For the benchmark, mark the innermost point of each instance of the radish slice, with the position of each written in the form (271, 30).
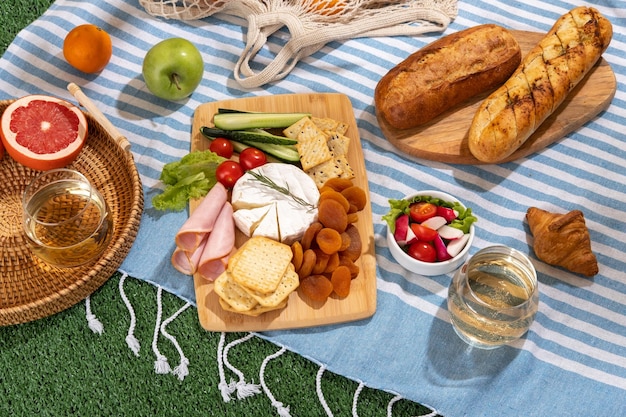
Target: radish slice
(402, 227)
(456, 246)
(442, 251)
(435, 222)
(449, 232)
(410, 236)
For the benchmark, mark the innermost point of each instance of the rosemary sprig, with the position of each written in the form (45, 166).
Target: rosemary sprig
(270, 183)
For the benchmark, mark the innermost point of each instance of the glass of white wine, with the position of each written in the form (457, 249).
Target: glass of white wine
(494, 297)
(66, 220)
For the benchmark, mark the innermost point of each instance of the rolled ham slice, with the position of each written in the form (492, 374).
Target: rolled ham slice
(187, 262)
(219, 245)
(202, 220)
(213, 268)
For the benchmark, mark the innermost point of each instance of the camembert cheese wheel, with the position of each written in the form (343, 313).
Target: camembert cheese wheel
(262, 210)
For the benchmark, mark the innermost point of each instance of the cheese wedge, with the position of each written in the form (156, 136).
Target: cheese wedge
(263, 211)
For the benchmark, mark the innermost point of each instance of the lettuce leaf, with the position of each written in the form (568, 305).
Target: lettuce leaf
(190, 177)
(396, 208)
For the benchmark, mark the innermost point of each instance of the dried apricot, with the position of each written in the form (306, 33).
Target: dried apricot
(328, 240)
(332, 214)
(321, 261)
(355, 195)
(345, 241)
(298, 254)
(354, 250)
(354, 268)
(331, 246)
(325, 188)
(316, 287)
(332, 264)
(338, 184)
(308, 263)
(341, 280)
(337, 196)
(309, 235)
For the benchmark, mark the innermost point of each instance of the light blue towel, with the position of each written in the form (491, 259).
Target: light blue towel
(572, 361)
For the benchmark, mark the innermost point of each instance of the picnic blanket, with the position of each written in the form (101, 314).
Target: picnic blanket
(573, 359)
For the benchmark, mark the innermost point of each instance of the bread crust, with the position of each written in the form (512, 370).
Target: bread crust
(445, 73)
(547, 74)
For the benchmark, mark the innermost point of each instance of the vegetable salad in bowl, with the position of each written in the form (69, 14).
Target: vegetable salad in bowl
(429, 233)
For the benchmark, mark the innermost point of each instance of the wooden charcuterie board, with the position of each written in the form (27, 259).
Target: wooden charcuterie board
(445, 139)
(361, 303)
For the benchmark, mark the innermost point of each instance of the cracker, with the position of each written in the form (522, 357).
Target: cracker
(260, 264)
(313, 151)
(325, 171)
(308, 130)
(341, 161)
(338, 144)
(293, 131)
(232, 293)
(322, 147)
(287, 285)
(254, 311)
(325, 123)
(341, 128)
(330, 125)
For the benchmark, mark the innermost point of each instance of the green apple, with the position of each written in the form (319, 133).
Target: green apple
(172, 69)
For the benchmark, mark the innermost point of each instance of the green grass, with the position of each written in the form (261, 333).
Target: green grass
(15, 15)
(58, 367)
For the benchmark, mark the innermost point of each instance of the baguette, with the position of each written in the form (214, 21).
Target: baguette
(547, 74)
(445, 73)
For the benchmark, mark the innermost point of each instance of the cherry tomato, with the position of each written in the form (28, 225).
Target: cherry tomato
(251, 158)
(424, 233)
(422, 211)
(228, 172)
(221, 147)
(422, 251)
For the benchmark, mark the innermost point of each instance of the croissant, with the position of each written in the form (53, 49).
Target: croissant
(562, 240)
(546, 75)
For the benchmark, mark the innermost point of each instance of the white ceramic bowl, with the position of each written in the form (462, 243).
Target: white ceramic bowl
(430, 268)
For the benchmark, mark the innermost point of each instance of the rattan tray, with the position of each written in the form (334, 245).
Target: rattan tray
(31, 289)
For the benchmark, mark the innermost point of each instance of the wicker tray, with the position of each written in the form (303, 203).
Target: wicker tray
(31, 289)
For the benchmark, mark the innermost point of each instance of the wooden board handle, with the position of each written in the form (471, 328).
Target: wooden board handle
(100, 117)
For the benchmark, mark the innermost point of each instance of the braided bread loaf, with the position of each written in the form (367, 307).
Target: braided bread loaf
(546, 75)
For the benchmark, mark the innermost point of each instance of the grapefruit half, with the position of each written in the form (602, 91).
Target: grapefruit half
(43, 132)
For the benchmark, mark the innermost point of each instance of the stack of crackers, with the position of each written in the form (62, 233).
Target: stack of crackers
(258, 279)
(323, 148)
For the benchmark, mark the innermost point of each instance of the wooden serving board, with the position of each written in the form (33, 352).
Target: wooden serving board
(361, 302)
(445, 138)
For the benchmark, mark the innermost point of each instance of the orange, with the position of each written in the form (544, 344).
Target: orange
(43, 132)
(87, 48)
(328, 7)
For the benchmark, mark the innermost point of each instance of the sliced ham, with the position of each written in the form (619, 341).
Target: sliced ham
(202, 220)
(219, 245)
(213, 268)
(187, 262)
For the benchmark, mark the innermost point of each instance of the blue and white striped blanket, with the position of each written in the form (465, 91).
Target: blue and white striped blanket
(572, 361)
